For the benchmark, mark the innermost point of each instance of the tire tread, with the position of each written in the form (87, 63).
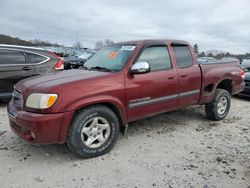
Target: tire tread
(74, 126)
(211, 109)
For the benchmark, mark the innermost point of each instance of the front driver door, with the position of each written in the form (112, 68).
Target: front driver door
(154, 92)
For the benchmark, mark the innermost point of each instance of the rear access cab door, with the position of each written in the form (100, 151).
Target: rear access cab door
(189, 74)
(14, 66)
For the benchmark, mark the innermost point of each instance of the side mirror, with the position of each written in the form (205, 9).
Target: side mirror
(140, 68)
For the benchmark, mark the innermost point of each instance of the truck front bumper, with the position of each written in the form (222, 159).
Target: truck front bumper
(33, 127)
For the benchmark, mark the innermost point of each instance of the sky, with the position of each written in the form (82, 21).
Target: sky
(212, 24)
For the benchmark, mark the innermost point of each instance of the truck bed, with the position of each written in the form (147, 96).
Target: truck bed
(214, 73)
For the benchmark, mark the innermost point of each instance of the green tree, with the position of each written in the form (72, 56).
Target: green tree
(202, 54)
(210, 55)
(196, 48)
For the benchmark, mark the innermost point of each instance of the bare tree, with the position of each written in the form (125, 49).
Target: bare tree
(196, 48)
(98, 45)
(108, 42)
(78, 45)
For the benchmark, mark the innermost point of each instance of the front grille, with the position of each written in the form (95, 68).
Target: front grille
(17, 98)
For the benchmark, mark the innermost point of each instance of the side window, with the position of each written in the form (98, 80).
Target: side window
(11, 57)
(157, 57)
(183, 56)
(34, 58)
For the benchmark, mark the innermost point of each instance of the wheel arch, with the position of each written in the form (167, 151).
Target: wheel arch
(225, 84)
(114, 104)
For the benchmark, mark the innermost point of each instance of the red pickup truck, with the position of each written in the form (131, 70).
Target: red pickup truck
(122, 83)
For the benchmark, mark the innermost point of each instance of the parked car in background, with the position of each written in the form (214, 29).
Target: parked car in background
(19, 62)
(124, 82)
(246, 64)
(246, 92)
(205, 60)
(229, 59)
(245, 59)
(77, 60)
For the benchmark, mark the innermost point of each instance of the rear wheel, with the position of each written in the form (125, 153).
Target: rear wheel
(93, 132)
(219, 107)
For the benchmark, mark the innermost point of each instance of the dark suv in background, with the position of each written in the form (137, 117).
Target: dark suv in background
(246, 66)
(19, 62)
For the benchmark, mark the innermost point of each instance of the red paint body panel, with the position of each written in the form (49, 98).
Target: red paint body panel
(81, 88)
(140, 86)
(215, 73)
(46, 127)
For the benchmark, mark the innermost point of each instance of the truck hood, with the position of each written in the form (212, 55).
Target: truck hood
(57, 79)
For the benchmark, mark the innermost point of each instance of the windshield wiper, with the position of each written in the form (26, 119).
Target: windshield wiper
(100, 69)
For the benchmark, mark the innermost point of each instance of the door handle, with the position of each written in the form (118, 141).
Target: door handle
(26, 68)
(171, 77)
(183, 75)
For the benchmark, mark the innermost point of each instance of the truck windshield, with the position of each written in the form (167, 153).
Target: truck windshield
(110, 58)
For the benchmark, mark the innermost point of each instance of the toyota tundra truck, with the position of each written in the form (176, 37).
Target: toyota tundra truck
(122, 83)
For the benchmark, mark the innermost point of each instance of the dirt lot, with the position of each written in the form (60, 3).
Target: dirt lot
(176, 149)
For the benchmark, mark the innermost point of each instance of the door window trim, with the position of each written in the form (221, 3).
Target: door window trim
(154, 45)
(26, 58)
(26, 63)
(47, 58)
(183, 45)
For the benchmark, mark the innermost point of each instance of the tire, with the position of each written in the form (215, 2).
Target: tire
(219, 107)
(93, 131)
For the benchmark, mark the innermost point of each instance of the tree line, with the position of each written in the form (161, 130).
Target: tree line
(219, 55)
(98, 45)
(5, 39)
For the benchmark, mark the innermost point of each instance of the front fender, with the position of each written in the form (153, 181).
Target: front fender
(77, 105)
(83, 103)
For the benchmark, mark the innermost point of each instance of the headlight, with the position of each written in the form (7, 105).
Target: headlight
(41, 101)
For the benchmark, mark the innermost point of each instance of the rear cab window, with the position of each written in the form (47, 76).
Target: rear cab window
(157, 56)
(11, 57)
(183, 56)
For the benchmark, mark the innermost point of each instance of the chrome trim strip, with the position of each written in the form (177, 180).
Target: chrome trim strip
(47, 58)
(161, 99)
(189, 93)
(6, 94)
(152, 101)
(13, 115)
(19, 46)
(8, 65)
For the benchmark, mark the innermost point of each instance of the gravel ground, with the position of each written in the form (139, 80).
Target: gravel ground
(176, 149)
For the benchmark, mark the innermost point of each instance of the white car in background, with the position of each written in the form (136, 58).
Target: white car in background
(230, 59)
(246, 64)
(205, 60)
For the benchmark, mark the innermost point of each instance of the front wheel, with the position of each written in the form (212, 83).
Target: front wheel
(93, 132)
(219, 107)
